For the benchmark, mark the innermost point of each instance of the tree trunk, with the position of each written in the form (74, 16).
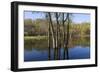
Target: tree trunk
(58, 42)
(52, 30)
(49, 42)
(63, 34)
(67, 39)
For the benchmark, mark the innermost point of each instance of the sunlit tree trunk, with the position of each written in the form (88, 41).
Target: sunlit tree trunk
(52, 30)
(58, 42)
(64, 19)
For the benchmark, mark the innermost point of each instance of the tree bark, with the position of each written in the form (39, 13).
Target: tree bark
(52, 30)
(58, 42)
(49, 42)
(67, 39)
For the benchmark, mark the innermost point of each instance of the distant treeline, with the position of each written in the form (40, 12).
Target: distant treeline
(40, 27)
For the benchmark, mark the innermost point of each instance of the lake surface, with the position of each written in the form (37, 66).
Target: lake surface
(37, 50)
(76, 52)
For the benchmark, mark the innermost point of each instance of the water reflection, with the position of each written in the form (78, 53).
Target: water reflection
(78, 48)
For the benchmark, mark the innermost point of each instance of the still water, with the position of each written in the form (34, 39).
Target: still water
(37, 50)
(76, 52)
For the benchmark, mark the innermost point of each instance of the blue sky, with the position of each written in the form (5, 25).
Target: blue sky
(77, 17)
(31, 15)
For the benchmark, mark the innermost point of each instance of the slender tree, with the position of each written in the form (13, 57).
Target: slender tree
(69, 20)
(67, 39)
(64, 19)
(52, 29)
(49, 41)
(58, 42)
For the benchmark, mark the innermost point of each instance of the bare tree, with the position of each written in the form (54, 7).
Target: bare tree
(67, 39)
(52, 29)
(58, 42)
(49, 41)
(63, 18)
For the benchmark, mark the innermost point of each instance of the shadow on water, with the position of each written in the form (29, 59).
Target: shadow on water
(38, 50)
